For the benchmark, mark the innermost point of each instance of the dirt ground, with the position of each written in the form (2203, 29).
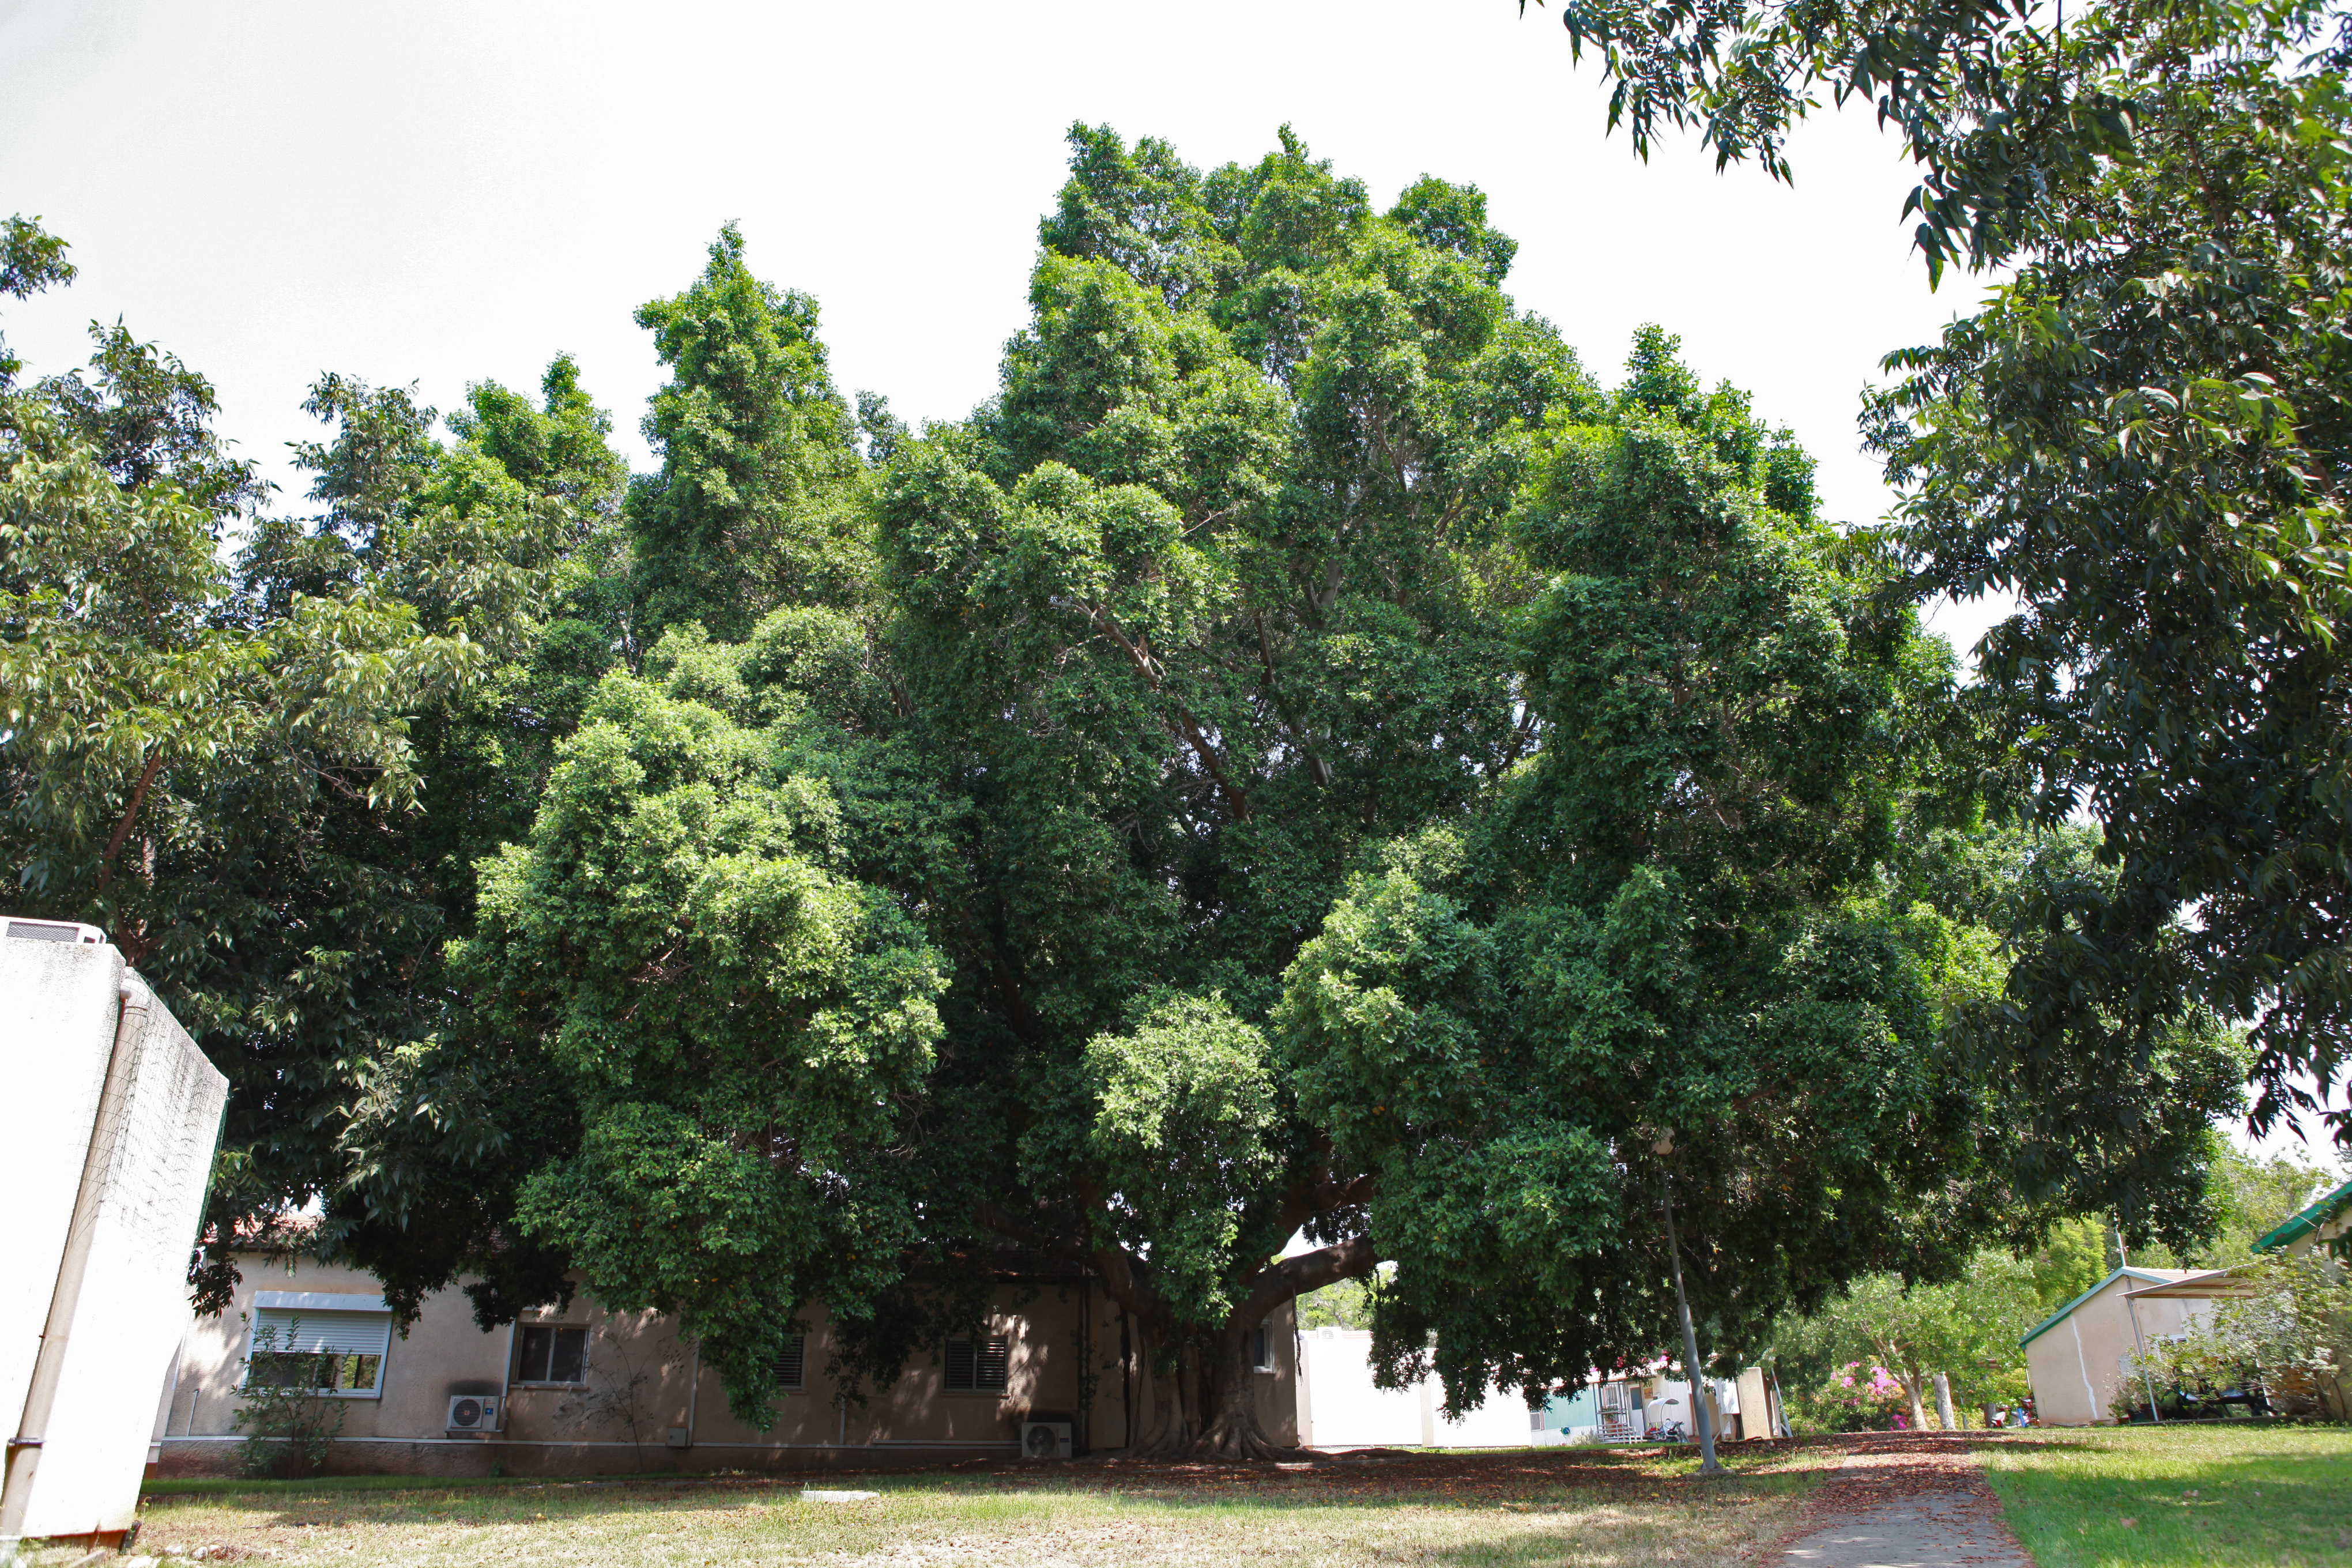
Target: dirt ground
(1619, 1509)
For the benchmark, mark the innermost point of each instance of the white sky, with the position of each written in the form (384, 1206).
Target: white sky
(440, 192)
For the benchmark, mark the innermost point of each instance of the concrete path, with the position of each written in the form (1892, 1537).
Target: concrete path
(1908, 1503)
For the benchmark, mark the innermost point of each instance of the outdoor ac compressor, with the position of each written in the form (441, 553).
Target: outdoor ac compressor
(473, 1413)
(1045, 1439)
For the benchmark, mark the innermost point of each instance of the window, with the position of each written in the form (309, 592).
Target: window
(792, 1362)
(1262, 1349)
(977, 1365)
(552, 1352)
(323, 1351)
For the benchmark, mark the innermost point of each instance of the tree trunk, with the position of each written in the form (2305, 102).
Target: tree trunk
(1229, 1402)
(1206, 1407)
(1693, 1368)
(1910, 1381)
(1158, 1426)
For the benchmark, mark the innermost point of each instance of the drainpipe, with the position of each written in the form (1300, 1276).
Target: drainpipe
(505, 1377)
(1084, 1445)
(25, 1448)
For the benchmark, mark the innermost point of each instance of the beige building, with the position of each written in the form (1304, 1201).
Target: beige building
(588, 1390)
(2326, 1227)
(2079, 1357)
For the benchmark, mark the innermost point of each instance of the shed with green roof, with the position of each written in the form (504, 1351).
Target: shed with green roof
(2078, 1357)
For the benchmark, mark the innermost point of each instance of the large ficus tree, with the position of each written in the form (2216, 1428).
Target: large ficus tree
(1302, 758)
(1214, 599)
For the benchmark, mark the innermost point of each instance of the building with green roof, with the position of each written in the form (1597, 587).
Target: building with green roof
(2323, 1225)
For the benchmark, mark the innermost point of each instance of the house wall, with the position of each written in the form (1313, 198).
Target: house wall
(2330, 1236)
(1724, 1404)
(2076, 1365)
(643, 1381)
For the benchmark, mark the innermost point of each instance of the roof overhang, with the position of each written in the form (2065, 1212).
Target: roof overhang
(2212, 1284)
(2294, 1227)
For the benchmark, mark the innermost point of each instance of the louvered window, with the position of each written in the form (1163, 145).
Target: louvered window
(792, 1362)
(977, 1365)
(321, 1351)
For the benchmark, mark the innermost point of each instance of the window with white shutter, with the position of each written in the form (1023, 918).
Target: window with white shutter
(323, 1350)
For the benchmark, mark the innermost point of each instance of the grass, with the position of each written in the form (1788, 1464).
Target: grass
(2221, 1494)
(1472, 1510)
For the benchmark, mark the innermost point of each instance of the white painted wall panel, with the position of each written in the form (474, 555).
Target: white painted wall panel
(1345, 1410)
(56, 1029)
(149, 1160)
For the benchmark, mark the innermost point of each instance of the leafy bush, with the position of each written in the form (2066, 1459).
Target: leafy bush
(287, 1423)
(2289, 1340)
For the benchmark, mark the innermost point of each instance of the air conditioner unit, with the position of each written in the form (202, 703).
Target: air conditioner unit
(22, 929)
(474, 1413)
(1045, 1439)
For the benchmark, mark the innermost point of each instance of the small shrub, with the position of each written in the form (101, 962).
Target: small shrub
(286, 1421)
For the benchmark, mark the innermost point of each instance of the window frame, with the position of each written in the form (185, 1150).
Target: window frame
(1262, 1353)
(800, 1352)
(552, 1330)
(1001, 1344)
(293, 1305)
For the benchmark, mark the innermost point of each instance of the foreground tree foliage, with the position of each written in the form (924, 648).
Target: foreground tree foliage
(265, 764)
(1305, 757)
(2140, 437)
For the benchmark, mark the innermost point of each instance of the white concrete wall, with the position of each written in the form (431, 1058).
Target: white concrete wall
(57, 1030)
(1340, 1408)
(122, 1274)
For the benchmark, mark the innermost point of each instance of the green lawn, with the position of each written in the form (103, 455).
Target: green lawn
(2223, 1494)
(1545, 1508)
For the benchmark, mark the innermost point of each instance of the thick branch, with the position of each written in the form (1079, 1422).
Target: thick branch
(1305, 1200)
(131, 815)
(1349, 1260)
